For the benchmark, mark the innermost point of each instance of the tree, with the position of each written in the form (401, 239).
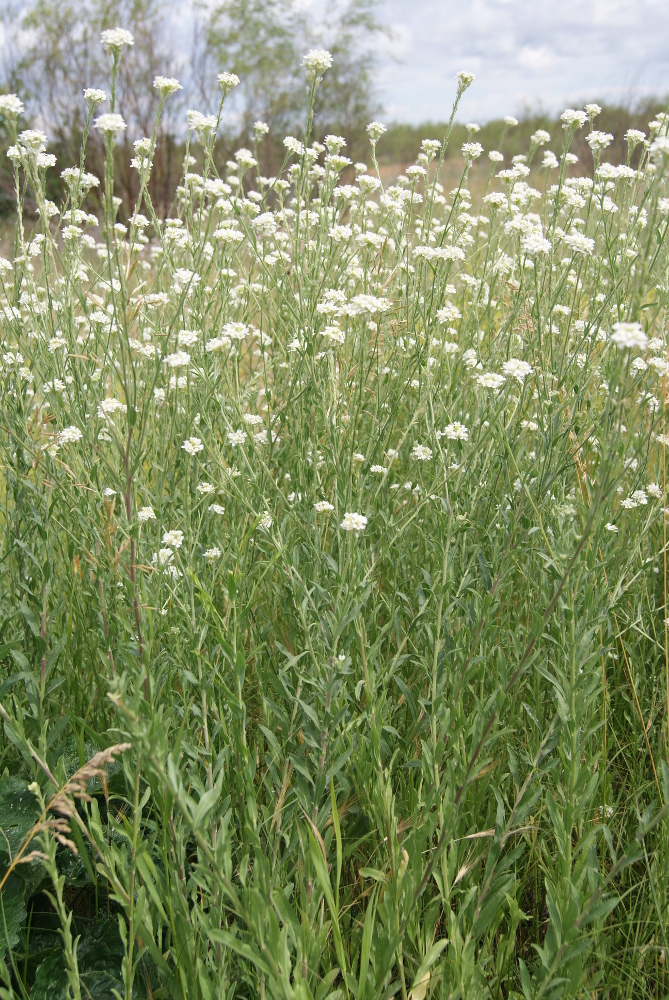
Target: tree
(264, 41)
(61, 54)
(346, 101)
(55, 52)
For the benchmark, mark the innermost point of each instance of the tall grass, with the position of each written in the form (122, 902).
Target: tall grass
(333, 608)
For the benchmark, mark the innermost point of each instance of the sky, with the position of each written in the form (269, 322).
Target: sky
(525, 53)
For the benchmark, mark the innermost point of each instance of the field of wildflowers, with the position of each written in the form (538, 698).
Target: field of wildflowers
(333, 623)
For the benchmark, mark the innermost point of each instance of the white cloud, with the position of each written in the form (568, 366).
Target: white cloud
(536, 58)
(523, 52)
(398, 44)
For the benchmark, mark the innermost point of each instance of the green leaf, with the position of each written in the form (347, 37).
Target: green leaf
(318, 862)
(19, 811)
(12, 914)
(50, 979)
(337, 830)
(366, 945)
(243, 948)
(430, 958)
(525, 982)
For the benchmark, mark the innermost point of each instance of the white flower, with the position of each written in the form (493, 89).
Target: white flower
(471, 150)
(421, 453)
(369, 304)
(353, 522)
(213, 553)
(216, 508)
(10, 106)
(107, 407)
(162, 558)
(465, 79)
(236, 437)
(540, 137)
(334, 334)
(375, 130)
(187, 338)
(68, 435)
(580, 243)
(598, 140)
(571, 118)
(227, 81)
(534, 244)
(192, 445)
(634, 136)
(145, 514)
(112, 124)
(448, 313)
(114, 39)
(340, 233)
(629, 335)
(173, 538)
(204, 488)
(316, 62)
(293, 145)
(456, 432)
(516, 369)
(321, 506)
(177, 360)
(660, 146)
(491, 380)
(611, 527)
(228, 234)
(166, 85)
(33, 140)
(204, 125)
(93, 96)
(379, 469)
(266, 521)
(448, 252)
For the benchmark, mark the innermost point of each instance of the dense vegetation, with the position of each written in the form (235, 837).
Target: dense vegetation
(333, 626)
(403, 141)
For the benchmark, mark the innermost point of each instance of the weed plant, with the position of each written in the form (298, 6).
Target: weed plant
(333, 622)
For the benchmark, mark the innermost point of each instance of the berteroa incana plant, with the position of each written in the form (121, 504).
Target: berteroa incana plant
(333, 617)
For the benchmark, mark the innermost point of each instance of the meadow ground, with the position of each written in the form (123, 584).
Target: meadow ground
(333, 623)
